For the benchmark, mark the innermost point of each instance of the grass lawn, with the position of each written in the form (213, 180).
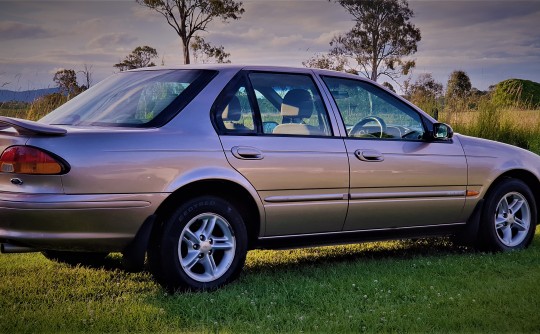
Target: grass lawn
(405, 286)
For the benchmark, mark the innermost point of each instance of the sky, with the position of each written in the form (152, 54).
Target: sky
(490, 40)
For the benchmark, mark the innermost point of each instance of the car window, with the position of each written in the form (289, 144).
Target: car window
(233, 112)
(370, 112)
(289, 104)
(133, 99)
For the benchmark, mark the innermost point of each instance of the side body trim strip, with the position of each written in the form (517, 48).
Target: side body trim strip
(306, 198)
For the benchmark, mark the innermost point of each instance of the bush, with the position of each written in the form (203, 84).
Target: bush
(523, 94)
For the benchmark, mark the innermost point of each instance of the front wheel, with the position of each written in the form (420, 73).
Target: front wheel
(202, 246)
(509, 217)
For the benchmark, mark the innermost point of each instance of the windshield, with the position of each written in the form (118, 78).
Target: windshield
(132, 99)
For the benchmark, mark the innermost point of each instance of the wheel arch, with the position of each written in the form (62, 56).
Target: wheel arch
(523, 175)
(242, 199)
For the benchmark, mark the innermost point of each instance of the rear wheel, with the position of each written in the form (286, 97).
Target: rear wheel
(76, 258)
(202, 246)
(509, 217)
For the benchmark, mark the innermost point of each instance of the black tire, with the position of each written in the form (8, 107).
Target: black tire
(208, 263)
(503, 229)
(76, 258)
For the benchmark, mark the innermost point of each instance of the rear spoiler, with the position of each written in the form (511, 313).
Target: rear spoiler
(30, 128)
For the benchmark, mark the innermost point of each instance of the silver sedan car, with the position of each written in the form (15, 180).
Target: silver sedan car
(188, 168)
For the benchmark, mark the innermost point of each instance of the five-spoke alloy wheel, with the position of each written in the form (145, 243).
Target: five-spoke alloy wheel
(509, 217)
(207, 247)
(512, 219)
(202, 246)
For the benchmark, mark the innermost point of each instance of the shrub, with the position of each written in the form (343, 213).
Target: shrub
(523, 94)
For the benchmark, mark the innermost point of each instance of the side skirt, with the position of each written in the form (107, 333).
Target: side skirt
(348, 237)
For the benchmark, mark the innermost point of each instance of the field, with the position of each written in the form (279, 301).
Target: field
(402, 286)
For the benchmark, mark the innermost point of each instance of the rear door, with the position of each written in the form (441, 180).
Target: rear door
(276, 131)
(398, 179)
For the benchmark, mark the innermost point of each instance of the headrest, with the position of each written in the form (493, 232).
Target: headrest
(297, 103)
(233, 111)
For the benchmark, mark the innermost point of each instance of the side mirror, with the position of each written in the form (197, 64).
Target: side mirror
(442, 131)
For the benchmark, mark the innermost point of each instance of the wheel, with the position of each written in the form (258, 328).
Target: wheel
(76, 258)
(358, 129)
(202, 246)
(508, 220)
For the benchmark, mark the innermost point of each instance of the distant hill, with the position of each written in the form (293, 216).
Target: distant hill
(25, 96)
(517, 92)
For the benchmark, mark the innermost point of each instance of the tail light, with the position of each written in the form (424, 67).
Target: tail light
(30, 160)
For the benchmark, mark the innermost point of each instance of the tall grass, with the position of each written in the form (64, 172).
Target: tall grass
(511, 125)
(35, 110)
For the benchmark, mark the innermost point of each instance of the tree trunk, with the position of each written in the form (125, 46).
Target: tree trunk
(185, 45)
(374, 69)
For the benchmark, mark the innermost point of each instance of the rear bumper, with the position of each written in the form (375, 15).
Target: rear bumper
(97, 222)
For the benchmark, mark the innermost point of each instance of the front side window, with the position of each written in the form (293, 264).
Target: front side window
(370, 112)
(132, 99)
(289, 104)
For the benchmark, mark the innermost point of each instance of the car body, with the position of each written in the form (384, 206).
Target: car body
(195, 165)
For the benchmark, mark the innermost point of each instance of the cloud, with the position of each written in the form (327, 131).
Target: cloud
(18, 30)
(91, 25)
(111, 40)
(146, 14)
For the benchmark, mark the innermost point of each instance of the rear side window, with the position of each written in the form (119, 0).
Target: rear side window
(289, 104)
(132, 99)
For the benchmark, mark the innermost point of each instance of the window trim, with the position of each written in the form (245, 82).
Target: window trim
(413, 110)
(258, 111)
(228, 91)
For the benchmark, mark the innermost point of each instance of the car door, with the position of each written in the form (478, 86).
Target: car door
(276, 131)
(397, 179)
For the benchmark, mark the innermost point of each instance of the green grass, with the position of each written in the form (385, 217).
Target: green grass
(420, 286)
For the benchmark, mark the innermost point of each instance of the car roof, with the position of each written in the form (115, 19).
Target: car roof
(239, 67)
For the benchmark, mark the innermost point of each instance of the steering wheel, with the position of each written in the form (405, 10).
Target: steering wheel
(358, 127)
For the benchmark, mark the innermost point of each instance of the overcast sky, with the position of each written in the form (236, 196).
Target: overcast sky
(490, 40)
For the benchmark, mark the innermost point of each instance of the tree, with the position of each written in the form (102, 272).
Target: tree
(328, 62)
(140, 57)
(459, 85)
(425, 92)
(66, 80)
(204, 51)
(382, 36)
(389, 86)
(425, 87)
(187, 17)
(87, 74)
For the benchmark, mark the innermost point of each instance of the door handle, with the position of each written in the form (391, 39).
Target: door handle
(247, 153)
(369, 155)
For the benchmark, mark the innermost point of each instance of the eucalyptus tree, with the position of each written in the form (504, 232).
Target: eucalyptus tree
(380, 41)
(190, 17)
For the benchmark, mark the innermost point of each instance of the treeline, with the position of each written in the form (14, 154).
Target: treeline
(460, 95)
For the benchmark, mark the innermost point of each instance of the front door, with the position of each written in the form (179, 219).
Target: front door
(398, 179)
(275, 131)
